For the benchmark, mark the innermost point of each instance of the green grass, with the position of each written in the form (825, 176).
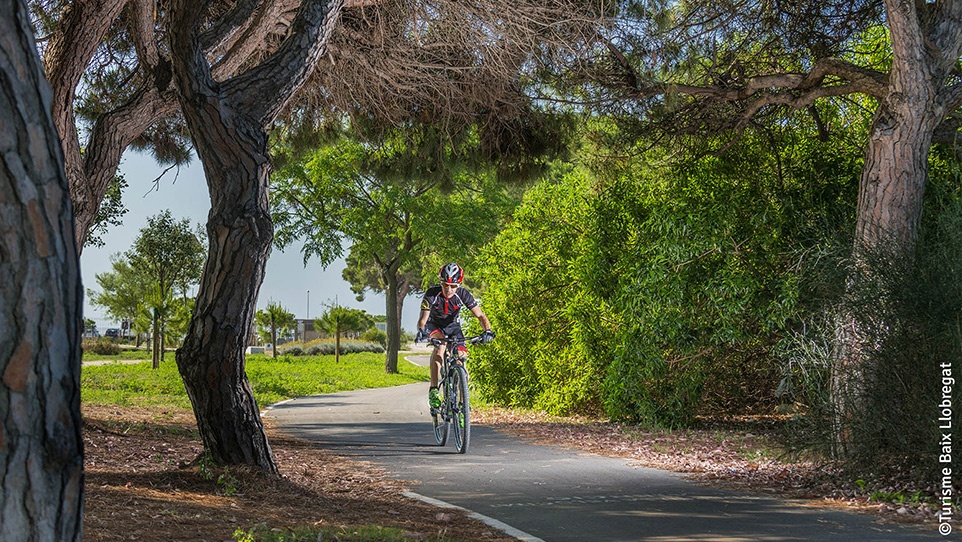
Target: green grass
(125, 354)
(272, 380)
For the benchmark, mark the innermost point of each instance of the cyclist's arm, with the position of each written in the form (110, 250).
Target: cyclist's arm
(479, 314)
(423, 320)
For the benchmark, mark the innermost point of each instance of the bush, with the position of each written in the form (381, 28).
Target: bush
(291, 351)
(375, 335)
(101, 346)
(325, 347)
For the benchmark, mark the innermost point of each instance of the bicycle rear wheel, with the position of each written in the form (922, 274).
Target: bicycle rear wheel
(461, 409)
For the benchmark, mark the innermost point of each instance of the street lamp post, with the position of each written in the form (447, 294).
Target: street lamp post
(308, 304)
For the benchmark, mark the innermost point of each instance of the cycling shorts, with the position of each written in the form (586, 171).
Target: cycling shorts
(451, 330)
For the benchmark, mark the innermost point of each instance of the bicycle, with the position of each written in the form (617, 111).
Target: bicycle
(454, 414)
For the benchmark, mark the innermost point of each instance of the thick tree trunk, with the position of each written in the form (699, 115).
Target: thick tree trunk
(893, 180)
(211, 360)
(41, 450)
(889, 212)
(888, 215)
(393, 317)
(233, 149)
(228, 122)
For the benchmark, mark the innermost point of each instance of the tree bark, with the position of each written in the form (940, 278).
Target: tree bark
(41, 450)
(228, 123)
(892, 186)
(232, 147)
(393, 321)
(211, 360)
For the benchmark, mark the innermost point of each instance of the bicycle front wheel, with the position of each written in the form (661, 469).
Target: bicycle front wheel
(440, 426)
(461, 410)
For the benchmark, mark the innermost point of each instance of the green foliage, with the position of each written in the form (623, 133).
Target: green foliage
(122, 290)
(374, 335)
(154, 275)
(110, 213)
(906, 311)
(295, 350)
(327, 347)
(272, 321)
(169, 253)
(543, 357)
(272, 380)
(118, 354)
(659, 293)
(338, 320)
(402, 201)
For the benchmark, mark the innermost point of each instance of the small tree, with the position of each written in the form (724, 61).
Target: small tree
(338, 320)
(89, 326)
(271, 320)
(122, 290)
(403, 202)
(164, 262)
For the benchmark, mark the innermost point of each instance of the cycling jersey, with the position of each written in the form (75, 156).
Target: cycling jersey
(444, 310)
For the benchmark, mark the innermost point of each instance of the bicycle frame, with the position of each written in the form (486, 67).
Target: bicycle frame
(454, 414)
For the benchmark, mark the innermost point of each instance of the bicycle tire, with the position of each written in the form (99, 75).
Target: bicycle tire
(461, 409)
(440, 423)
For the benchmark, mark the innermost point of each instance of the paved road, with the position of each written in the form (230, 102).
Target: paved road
(556, 494)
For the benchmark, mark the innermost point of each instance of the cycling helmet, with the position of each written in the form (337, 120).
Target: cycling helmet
(451, 273)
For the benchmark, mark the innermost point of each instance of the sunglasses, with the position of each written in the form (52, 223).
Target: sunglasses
(449, 285)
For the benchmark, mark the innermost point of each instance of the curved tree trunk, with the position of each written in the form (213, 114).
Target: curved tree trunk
(41, 450)
(239, 228)
(232, 147)
(228, 123)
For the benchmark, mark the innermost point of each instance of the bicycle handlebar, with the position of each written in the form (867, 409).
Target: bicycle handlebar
(477, 339)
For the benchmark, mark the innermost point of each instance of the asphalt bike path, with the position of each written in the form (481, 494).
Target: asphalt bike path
(555, 494)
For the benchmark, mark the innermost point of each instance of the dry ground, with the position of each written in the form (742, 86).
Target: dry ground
(144, 481)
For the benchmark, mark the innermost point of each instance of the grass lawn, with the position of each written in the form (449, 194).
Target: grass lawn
(127, 384)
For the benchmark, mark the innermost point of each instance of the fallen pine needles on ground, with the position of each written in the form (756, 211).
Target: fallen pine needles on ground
(146, 480)
(743, 455)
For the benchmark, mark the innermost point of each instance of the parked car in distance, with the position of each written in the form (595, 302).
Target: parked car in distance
(112, 332)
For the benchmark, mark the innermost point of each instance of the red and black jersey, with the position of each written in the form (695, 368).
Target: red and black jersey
(445, 310)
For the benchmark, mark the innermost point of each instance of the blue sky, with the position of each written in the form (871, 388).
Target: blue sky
(287, 281)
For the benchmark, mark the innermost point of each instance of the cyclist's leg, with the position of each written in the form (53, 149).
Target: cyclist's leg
(434, 395)
(437, 354)
(435, 365)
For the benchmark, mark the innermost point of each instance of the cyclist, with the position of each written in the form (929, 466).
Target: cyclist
(440, 308)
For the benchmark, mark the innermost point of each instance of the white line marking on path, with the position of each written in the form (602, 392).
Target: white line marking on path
(500, 525)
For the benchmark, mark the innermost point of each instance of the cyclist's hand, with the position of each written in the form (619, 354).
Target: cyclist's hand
(421, 336)
(487, 336)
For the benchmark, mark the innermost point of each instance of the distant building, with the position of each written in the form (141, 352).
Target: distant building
(305, 332)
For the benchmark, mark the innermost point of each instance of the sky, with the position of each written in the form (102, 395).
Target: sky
(304, 292)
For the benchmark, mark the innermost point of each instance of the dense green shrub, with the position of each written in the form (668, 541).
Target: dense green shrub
(659, 293)
(375, 335)
(325, 347)
(294, 350)
(546, 321)
(907, 313)
(102, 346)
